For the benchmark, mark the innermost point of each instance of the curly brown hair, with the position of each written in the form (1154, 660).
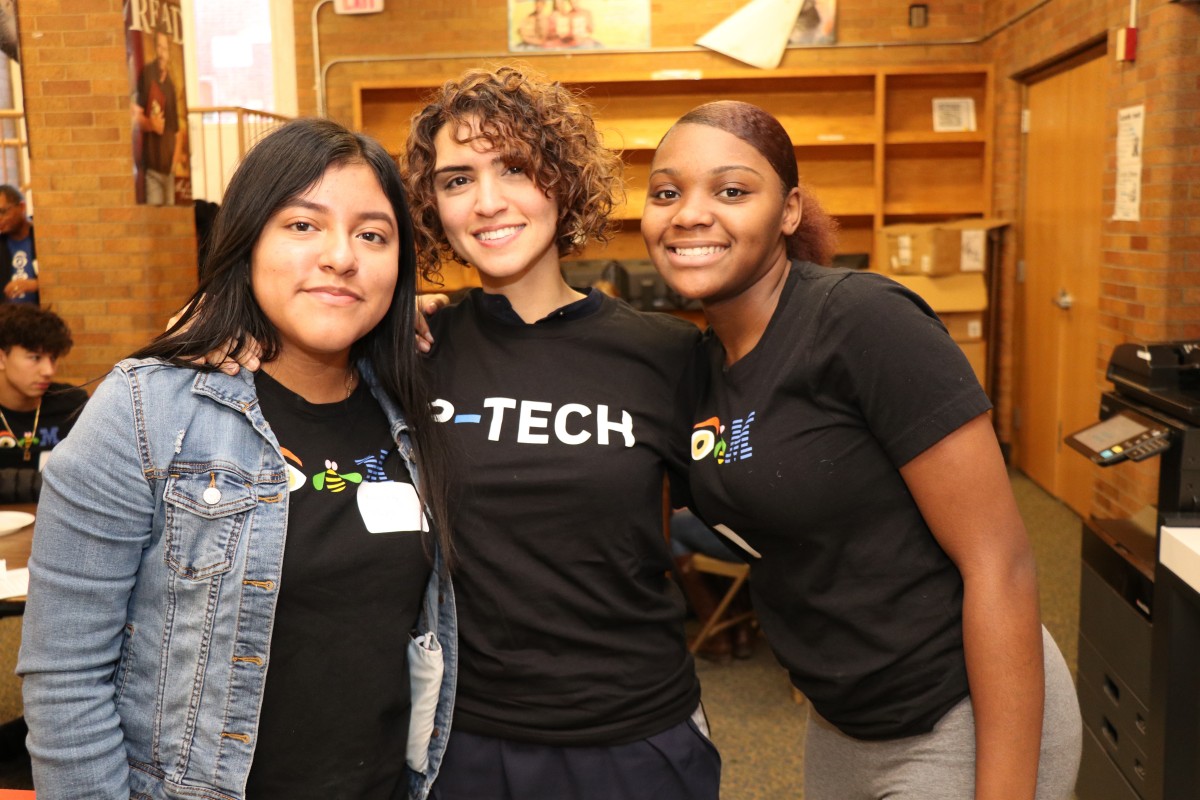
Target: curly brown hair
(533, 123)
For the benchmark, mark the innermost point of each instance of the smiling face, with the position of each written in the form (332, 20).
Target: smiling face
(716, 216)
(493, 214)
(325, 265)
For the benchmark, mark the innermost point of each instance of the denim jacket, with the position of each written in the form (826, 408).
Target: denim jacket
(147, 631)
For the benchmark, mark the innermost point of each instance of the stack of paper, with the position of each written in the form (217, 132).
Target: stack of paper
(13, 582)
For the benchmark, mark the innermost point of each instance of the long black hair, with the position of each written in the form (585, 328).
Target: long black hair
(281, 167)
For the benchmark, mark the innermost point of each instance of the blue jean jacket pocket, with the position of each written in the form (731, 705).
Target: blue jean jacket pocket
(206, 512)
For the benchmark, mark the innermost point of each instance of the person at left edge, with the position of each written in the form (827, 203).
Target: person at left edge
(18, 254)
(35, 413)
(225, 568)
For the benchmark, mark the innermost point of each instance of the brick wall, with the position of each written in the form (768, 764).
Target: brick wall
(439, 41)
(114, 270)
(1150, 269)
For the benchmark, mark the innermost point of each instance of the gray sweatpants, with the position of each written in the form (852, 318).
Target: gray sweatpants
(940, 765)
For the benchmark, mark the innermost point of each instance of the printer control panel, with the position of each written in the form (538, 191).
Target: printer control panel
(1124, 435)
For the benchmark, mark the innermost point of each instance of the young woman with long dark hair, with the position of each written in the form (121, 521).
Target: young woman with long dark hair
(227, 569)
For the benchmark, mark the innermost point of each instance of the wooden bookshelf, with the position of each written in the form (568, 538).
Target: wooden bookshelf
(865, 139)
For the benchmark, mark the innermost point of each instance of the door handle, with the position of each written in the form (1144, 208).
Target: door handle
(1064, 299)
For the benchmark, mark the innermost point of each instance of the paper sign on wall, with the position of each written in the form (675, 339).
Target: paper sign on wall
(1130, 128)
(953, 114)
(972, 252)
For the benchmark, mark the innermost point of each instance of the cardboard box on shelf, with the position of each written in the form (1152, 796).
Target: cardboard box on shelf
(964, 326)
(937, 248)
(961, 302)
(952, 293)
(976, 353)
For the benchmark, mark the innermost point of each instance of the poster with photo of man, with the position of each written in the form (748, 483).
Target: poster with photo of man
(578, 24)
(158, 103)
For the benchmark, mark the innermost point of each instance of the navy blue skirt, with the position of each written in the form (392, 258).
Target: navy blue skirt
(678, 764)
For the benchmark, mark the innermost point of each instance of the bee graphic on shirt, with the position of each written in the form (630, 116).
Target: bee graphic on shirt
(333, 480)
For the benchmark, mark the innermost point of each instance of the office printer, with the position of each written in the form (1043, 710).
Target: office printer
(1139, 642)
(1164, 376)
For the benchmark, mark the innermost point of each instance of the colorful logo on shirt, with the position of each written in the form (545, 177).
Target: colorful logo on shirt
(9, 440)
(386, 506)
(45, 438)
(570, 423)
(708, 439)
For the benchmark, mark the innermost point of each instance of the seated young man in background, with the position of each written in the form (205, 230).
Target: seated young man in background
(35, 413)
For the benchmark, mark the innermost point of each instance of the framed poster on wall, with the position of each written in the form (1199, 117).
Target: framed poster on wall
(158, 101)
(10, 42)
(816, 24)
(578, 25)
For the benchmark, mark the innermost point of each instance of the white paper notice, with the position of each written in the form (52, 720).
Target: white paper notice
(13, 582)
(953, 114)
(972, 255)
(1130, 125)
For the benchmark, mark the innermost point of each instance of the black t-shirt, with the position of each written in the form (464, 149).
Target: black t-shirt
(570, 630)
(336, 706)
(60, 406)
(796, 448)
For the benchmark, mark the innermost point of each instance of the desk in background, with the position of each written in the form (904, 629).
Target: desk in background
(14, 549)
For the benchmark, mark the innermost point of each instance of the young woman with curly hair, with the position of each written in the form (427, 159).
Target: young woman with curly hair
(574, 679)
(844, 439)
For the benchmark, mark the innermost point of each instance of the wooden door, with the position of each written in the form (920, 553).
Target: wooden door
(1059, 369)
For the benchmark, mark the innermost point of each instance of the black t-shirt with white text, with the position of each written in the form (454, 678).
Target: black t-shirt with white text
(796, 448)
(570, 629)
(336, 706)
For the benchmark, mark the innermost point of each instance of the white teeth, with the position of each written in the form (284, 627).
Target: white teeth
(698, 251)
(499, 233)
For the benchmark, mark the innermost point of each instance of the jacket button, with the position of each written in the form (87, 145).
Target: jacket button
(212, 495)
(435, 734)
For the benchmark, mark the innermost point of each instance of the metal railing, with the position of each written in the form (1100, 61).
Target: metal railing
(14, 149)
(218, 136)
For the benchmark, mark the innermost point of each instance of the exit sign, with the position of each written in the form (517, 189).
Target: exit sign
(357, 6)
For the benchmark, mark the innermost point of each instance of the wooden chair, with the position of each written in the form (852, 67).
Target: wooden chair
(718, 620)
